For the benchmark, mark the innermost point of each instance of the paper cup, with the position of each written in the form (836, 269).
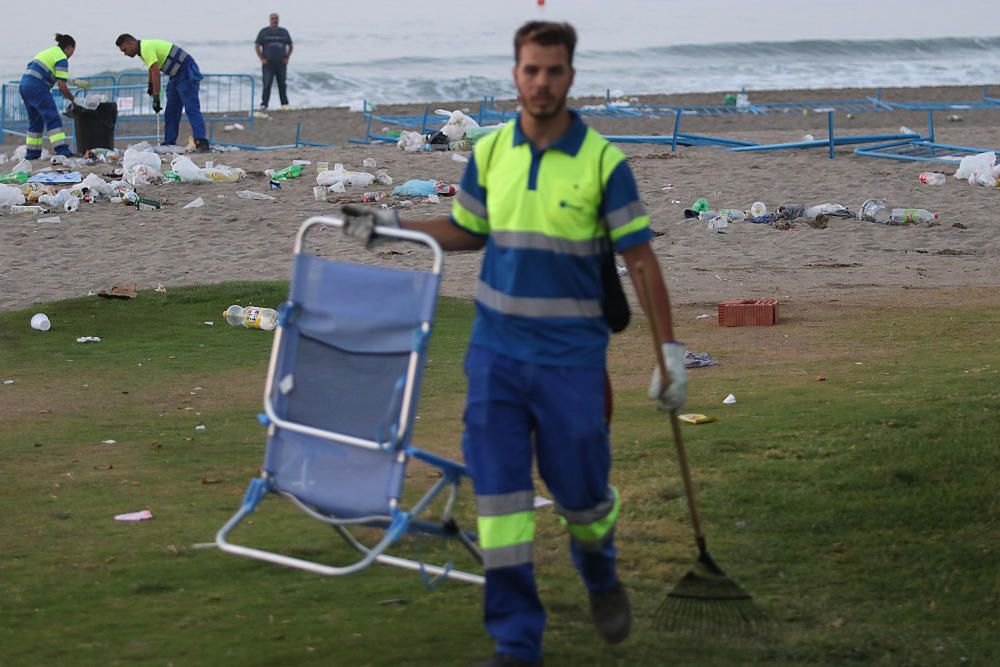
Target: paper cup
(40, 322)
(319, 193)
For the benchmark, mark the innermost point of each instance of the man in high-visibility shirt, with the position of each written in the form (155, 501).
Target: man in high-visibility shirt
(163, 57)
(549, 198)
(48, 68)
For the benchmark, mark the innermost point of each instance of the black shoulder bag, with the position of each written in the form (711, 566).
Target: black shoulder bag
(614, 305)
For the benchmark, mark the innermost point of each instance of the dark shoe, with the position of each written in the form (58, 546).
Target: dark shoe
(202, 146)
(612, 614)
(505, 660)
(64, 151)
(33, 155)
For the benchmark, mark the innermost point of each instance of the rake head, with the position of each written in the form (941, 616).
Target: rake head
(706, 600)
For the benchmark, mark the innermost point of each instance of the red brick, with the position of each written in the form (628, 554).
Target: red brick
(748, 312)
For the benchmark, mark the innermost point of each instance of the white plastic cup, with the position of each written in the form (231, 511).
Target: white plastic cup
(319, 192)
(209, 164)
(40, 322)
(322, 166)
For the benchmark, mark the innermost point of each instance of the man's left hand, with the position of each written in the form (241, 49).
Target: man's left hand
(156, 104)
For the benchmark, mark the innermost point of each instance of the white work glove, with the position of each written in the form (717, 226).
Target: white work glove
(671, 396)
(360, 221)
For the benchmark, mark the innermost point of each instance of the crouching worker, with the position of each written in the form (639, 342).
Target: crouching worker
(166, 58)
(48, 68)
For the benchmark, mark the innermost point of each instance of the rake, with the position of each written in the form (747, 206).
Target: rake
(705, 599)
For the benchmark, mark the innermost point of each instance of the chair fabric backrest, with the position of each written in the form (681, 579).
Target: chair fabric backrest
(342, 367)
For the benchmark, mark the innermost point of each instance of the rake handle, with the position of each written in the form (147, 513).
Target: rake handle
(675, 424)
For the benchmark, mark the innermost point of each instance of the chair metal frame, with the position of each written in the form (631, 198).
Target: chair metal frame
(398, 522)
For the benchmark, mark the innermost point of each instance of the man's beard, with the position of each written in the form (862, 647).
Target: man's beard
(543, 115)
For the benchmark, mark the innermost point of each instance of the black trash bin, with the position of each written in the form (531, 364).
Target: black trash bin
(95, 128)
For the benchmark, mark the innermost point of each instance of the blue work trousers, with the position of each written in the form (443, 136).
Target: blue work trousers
(182, 96)
(41, 106)
(517, 412)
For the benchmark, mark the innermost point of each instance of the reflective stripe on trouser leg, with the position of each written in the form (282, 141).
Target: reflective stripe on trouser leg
(34, 139)
(592, 528)
(506, 525)
(498, 451)
(57, 138)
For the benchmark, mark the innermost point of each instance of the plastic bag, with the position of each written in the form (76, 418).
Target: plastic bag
(416, 188)
(331, 177)
(411, 142)
(141, 167)
(458, 123)
(10, 196)
(97, 185)
(188, 171)
(972, 166)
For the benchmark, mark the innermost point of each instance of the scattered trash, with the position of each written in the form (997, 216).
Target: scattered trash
(251, 317)
(53, 219)
(200, 427)
(122, 291)
(458, 124)
(873, 210)
(160, 287)
(910, 216)
(322, 166)
(905, 130)
(250, 194)
(209, 323)
(382, 176)
(40, 322)
(458, 157)
(700, 206)
(10, 196)
(292, 171)
(109, 442)
(932, 178)
(698, 359)
(273, 185)
(416, 188)
(954, 118)
(88, 339)
(757, 209)
(372, 197)
(729, 400)
(696, 418)
(808, 137)
(33, 210)
(338, 187)
(188, 171)
(978, 169)
(301, 163)
(369, 163)
(703, 316)
(233, 126)
(144, 515)
(668, 187)
(196, 203)
(319, 193)
(8, 381)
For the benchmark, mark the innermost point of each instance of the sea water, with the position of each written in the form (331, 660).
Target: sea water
(403, 51)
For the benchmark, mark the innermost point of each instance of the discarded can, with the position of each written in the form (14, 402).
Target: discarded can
(372, 197)
(274, 185)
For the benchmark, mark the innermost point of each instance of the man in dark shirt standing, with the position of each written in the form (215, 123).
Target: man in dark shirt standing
(274, 48)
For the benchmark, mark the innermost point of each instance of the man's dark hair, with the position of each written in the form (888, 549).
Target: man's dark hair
(124, 37)
(65, 41)
(545, 33)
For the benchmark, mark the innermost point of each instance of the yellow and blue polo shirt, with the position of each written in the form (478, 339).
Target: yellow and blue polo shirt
(546, 216)
(49, 65)
(166, 55)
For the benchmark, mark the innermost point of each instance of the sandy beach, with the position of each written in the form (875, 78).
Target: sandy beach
(849, 261)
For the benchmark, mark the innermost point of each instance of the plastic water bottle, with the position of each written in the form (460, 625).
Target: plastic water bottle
(72, 203)
(932, 178)
(251, 317)
(729, 214)
(910, 216)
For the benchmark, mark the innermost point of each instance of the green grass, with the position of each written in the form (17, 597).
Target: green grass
(862, 512)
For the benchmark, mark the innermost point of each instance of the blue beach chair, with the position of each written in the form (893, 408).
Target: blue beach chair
(340, 401)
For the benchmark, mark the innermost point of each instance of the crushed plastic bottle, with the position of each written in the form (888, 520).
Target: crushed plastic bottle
(250, 194)
(910, 216)
(251, 317)
(932, 178)
(14, 177)
(292, 171)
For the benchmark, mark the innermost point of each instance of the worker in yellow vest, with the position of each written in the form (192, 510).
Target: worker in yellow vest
(48, 68)
(163, 57)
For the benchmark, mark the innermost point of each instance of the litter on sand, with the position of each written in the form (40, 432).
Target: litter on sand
(698, 359)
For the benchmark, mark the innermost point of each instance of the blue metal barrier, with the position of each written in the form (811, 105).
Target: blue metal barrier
(225, 98)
